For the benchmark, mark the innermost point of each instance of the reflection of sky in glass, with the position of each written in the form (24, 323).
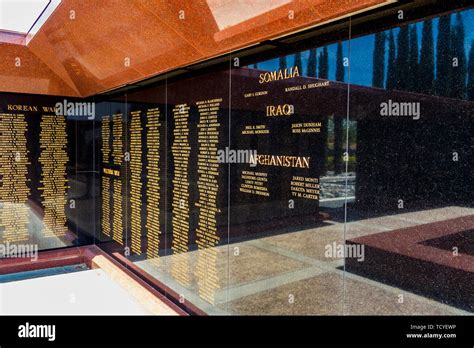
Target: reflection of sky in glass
(362, 49)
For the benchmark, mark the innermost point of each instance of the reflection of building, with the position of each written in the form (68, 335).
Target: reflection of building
(337, 160)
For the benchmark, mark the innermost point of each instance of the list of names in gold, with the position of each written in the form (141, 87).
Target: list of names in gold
(136, 180)
(305, 187)
(153, 185)
(208, 186)
(117, 158)
(180, 150)
(255, 129)
(306, 127)
(54, 183)
(255, 183)
(14, 190)
(106, 212)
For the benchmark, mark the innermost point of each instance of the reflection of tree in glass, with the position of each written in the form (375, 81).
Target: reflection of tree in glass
(402, 62)
(443, 57)
(470, 74)
(312, 63)
(458, 80)
(413, 60)
(426, 69)
(298, 63)
(339, 63)
(412, 68)
(378, 66)
(391, 73)
(282, 63)
(323, 63)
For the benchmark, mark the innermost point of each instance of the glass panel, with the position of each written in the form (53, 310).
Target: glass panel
(146, 183)
(287, 206)
(173, 189)
(197, 262)
(46, 170)
(113, 170)
(410, 225)
(83, 205)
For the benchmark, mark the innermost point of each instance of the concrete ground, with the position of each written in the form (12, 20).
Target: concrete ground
(90, 292)
(289, 273)
(76, 290)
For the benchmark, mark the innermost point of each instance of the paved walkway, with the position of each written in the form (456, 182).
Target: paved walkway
(290, 274)
(90, 292)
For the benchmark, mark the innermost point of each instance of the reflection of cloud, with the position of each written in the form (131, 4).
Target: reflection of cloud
(228, 13)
